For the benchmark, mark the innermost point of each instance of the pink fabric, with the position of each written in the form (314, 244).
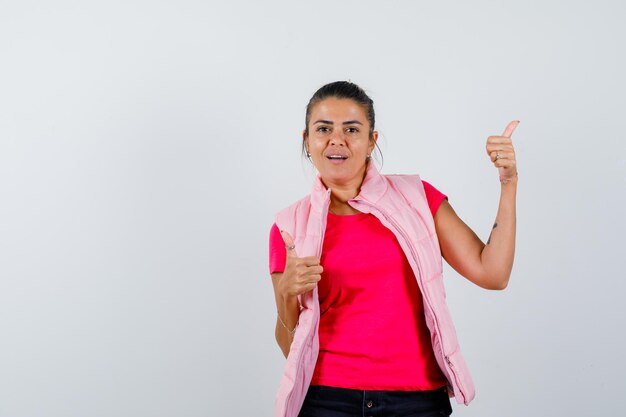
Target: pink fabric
(277, 246)
(399, 202)
(382, 348)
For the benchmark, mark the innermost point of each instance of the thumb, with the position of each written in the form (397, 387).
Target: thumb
(510, 128)
(289, 245)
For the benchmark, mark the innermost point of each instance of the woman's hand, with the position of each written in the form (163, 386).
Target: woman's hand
(300, 274)
(501, 152)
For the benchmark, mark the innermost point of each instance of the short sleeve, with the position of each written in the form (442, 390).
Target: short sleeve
(278, 253)
(434, 197)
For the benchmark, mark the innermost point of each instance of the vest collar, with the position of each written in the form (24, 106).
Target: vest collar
(373, 187)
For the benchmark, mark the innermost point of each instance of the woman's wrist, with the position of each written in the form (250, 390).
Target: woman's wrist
(291, 331)
(290, 313)
(508, 180)
(290, 300)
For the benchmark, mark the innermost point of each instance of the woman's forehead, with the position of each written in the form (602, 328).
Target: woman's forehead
(335, 109)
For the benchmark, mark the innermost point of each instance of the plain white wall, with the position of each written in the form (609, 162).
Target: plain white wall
(145, 147)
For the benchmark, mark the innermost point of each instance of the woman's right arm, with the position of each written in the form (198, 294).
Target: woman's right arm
(288, 310)
(300, 275)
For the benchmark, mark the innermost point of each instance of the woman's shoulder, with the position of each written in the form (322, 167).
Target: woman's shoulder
(411, 178)
(429, 188)
(433, 196)
(289, 217)
(301, 202)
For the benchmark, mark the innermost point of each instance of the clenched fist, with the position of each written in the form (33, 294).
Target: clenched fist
(301, 274)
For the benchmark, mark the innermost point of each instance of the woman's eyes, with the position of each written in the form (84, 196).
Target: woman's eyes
(326, 129)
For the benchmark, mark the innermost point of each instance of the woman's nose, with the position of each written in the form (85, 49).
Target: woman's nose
(337, 139)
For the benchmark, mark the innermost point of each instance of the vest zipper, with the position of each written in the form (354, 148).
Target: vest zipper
(319, 254)
(323, 223)
(425, 297)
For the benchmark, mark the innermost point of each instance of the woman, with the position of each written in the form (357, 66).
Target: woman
(357, 274)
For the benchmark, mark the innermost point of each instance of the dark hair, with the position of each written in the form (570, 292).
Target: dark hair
(341, 90)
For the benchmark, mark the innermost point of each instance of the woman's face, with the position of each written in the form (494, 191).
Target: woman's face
(339, 141)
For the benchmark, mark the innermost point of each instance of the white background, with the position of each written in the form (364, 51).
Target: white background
(145, 147)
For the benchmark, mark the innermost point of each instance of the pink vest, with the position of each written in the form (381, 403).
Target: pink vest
(399, 202)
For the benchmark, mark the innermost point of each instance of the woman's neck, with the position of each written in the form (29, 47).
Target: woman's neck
(343, 192)
(339, 197)
(341, 207)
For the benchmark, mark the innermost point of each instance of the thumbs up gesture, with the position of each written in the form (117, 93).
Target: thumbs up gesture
(501, 152)
(301, 274)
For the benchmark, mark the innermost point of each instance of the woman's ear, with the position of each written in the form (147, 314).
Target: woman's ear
(373, 140)
(304, 139)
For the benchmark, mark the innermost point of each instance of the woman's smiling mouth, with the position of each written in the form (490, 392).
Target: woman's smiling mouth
(336, 159)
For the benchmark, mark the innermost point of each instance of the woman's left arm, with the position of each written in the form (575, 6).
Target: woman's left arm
(486, 265)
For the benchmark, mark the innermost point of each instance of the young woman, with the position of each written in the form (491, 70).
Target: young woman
(357, 274)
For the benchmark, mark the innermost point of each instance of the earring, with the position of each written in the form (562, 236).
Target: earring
(308, 155)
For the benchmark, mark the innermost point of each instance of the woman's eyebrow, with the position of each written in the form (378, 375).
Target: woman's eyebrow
(349, 122)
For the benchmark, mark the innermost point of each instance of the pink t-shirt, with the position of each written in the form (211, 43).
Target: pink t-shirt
(372, 331)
